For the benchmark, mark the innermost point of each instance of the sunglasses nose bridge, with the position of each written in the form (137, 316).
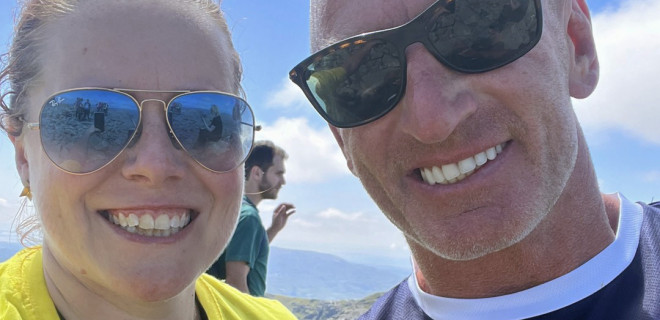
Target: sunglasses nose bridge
(153, 100)
(151, 154)
(162, 102)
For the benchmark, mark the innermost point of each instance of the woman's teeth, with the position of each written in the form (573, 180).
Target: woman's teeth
(149, 222)
(454, 172)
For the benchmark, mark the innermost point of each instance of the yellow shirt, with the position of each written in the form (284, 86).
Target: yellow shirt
(23, 294)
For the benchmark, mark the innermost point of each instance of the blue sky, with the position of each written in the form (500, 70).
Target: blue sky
(334, 213)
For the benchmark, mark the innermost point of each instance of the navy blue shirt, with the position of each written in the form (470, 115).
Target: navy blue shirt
(633, 295)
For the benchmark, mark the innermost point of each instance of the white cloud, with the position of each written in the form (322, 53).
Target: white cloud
(287, 96)
(267, 206)
(332, 230)
(301, 223)
(8, 210)
(628, 44)
(652, 176)
(313, 153)
(332, 213)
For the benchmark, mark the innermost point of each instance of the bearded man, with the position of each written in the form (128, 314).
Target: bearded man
(244, 262)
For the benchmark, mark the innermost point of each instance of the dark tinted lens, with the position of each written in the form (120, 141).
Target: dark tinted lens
(83, 130)
(357, 83)
(216, 129)
(481, 35)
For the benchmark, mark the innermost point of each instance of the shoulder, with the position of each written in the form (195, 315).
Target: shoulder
(221, 301)
(398, 303)
(249, 221)
(16, 269)
(652, 207)
(649, 246)
(248, 208)
(249, 215)
(651, 222)
(23, 292)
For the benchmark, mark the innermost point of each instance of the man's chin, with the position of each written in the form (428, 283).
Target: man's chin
(270, 195)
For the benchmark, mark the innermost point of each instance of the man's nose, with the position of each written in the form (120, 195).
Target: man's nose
(155, 157)
(436, 100)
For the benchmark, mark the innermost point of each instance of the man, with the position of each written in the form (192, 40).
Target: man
(474, 152)
(244, 262)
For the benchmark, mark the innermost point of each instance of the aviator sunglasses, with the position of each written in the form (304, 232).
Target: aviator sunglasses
(83, 130)
(362, 78)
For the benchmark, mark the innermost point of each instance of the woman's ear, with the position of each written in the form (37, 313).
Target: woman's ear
(584, 71)
(22, 164)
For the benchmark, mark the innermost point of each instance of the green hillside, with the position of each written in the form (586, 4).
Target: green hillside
(313, 309)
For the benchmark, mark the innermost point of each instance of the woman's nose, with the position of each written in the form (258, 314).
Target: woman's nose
(154, 156)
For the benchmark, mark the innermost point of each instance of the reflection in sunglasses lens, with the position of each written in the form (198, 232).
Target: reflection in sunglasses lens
(215, 129)
(355, 83)
(83, 130)
(474, 35)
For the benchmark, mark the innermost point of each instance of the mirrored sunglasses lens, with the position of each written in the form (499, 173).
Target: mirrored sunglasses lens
(357, 83)
(216, 129)
(83, 130)
(480, 35)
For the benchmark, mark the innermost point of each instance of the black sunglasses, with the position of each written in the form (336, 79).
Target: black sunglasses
(362, 78)
(82, 130)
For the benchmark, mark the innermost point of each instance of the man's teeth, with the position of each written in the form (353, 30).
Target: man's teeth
(454, 172)
(151, 224)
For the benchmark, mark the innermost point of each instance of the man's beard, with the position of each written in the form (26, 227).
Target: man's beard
(267, 189)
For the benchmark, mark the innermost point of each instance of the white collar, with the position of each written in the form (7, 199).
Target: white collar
(553, 295)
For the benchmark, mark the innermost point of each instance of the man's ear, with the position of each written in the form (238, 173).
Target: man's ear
(255, 172)
(340, 142)
(22, 164)
(584, 71)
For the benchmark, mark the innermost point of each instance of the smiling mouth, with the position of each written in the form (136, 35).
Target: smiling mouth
(152, 223)
(455, 172)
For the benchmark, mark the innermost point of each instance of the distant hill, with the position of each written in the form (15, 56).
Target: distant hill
(312, 309)
(314, 275)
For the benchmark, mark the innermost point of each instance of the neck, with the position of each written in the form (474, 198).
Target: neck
(77, 298)
(254, 198)
(555, 247)
(252, 191)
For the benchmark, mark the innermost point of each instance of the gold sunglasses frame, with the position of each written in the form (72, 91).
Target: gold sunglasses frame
(166, 105)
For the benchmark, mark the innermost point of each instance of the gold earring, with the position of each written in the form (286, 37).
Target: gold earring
(26, 193)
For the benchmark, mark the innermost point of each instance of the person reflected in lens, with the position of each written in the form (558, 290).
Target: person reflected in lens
(88, 108)
(480, 161)
(211, 132)
(128, 230)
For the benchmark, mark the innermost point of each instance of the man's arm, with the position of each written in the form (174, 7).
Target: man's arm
(237, 272)
(280, 217)
(241, 252)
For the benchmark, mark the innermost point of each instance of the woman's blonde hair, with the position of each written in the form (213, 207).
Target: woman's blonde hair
(21, 67)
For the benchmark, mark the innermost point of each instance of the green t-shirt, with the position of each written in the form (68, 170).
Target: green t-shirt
(250, 245)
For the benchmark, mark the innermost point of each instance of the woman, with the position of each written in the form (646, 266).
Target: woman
(131, 215)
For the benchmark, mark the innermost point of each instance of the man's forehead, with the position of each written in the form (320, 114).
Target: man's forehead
(335, 20)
